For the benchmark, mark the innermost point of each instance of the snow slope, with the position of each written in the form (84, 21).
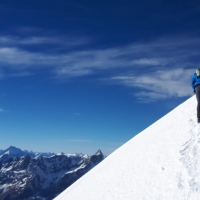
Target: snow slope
(160, 163)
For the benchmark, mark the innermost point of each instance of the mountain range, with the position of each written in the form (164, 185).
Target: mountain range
(27, 175)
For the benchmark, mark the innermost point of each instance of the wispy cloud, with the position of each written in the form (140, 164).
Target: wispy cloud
(159, 53)
(159, 68)
(148, 96)
(160, 84)
(1, 110)
(41, 40)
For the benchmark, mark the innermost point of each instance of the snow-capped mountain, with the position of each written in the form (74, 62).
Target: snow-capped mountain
(12, 152)
(160, 163)
(42, 178)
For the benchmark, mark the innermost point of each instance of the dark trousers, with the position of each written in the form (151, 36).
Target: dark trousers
(197, 90)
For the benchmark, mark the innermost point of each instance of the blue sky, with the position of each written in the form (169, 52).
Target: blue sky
(78, 76)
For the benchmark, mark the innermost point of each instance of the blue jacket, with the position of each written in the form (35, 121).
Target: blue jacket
(195, 81)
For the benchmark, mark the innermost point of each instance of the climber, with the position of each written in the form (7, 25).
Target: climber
(196, 88)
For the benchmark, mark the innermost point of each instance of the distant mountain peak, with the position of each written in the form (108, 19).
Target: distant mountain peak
(12, 147)
(10, 153)
(99, 152)
(13, 151)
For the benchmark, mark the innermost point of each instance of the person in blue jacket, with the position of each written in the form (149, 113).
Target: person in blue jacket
(196, 88)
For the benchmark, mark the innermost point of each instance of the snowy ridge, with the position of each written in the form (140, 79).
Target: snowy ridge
(160, 163)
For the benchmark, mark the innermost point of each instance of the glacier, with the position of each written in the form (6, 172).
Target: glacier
(160, 163)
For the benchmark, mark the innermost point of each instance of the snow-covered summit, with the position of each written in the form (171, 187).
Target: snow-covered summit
(160, 163)
(12, 152)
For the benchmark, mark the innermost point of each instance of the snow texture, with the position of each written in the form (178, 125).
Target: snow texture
(160, 163)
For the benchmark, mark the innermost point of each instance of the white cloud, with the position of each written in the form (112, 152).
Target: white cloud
(38, 40)
(17, 58)
(171, 53)
(159, 84)
(72, 72)
(146, 61)
(147, 96)
(160, 68)
(1, 110)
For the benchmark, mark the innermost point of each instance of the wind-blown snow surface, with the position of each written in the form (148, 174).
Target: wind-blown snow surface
(160, 163)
